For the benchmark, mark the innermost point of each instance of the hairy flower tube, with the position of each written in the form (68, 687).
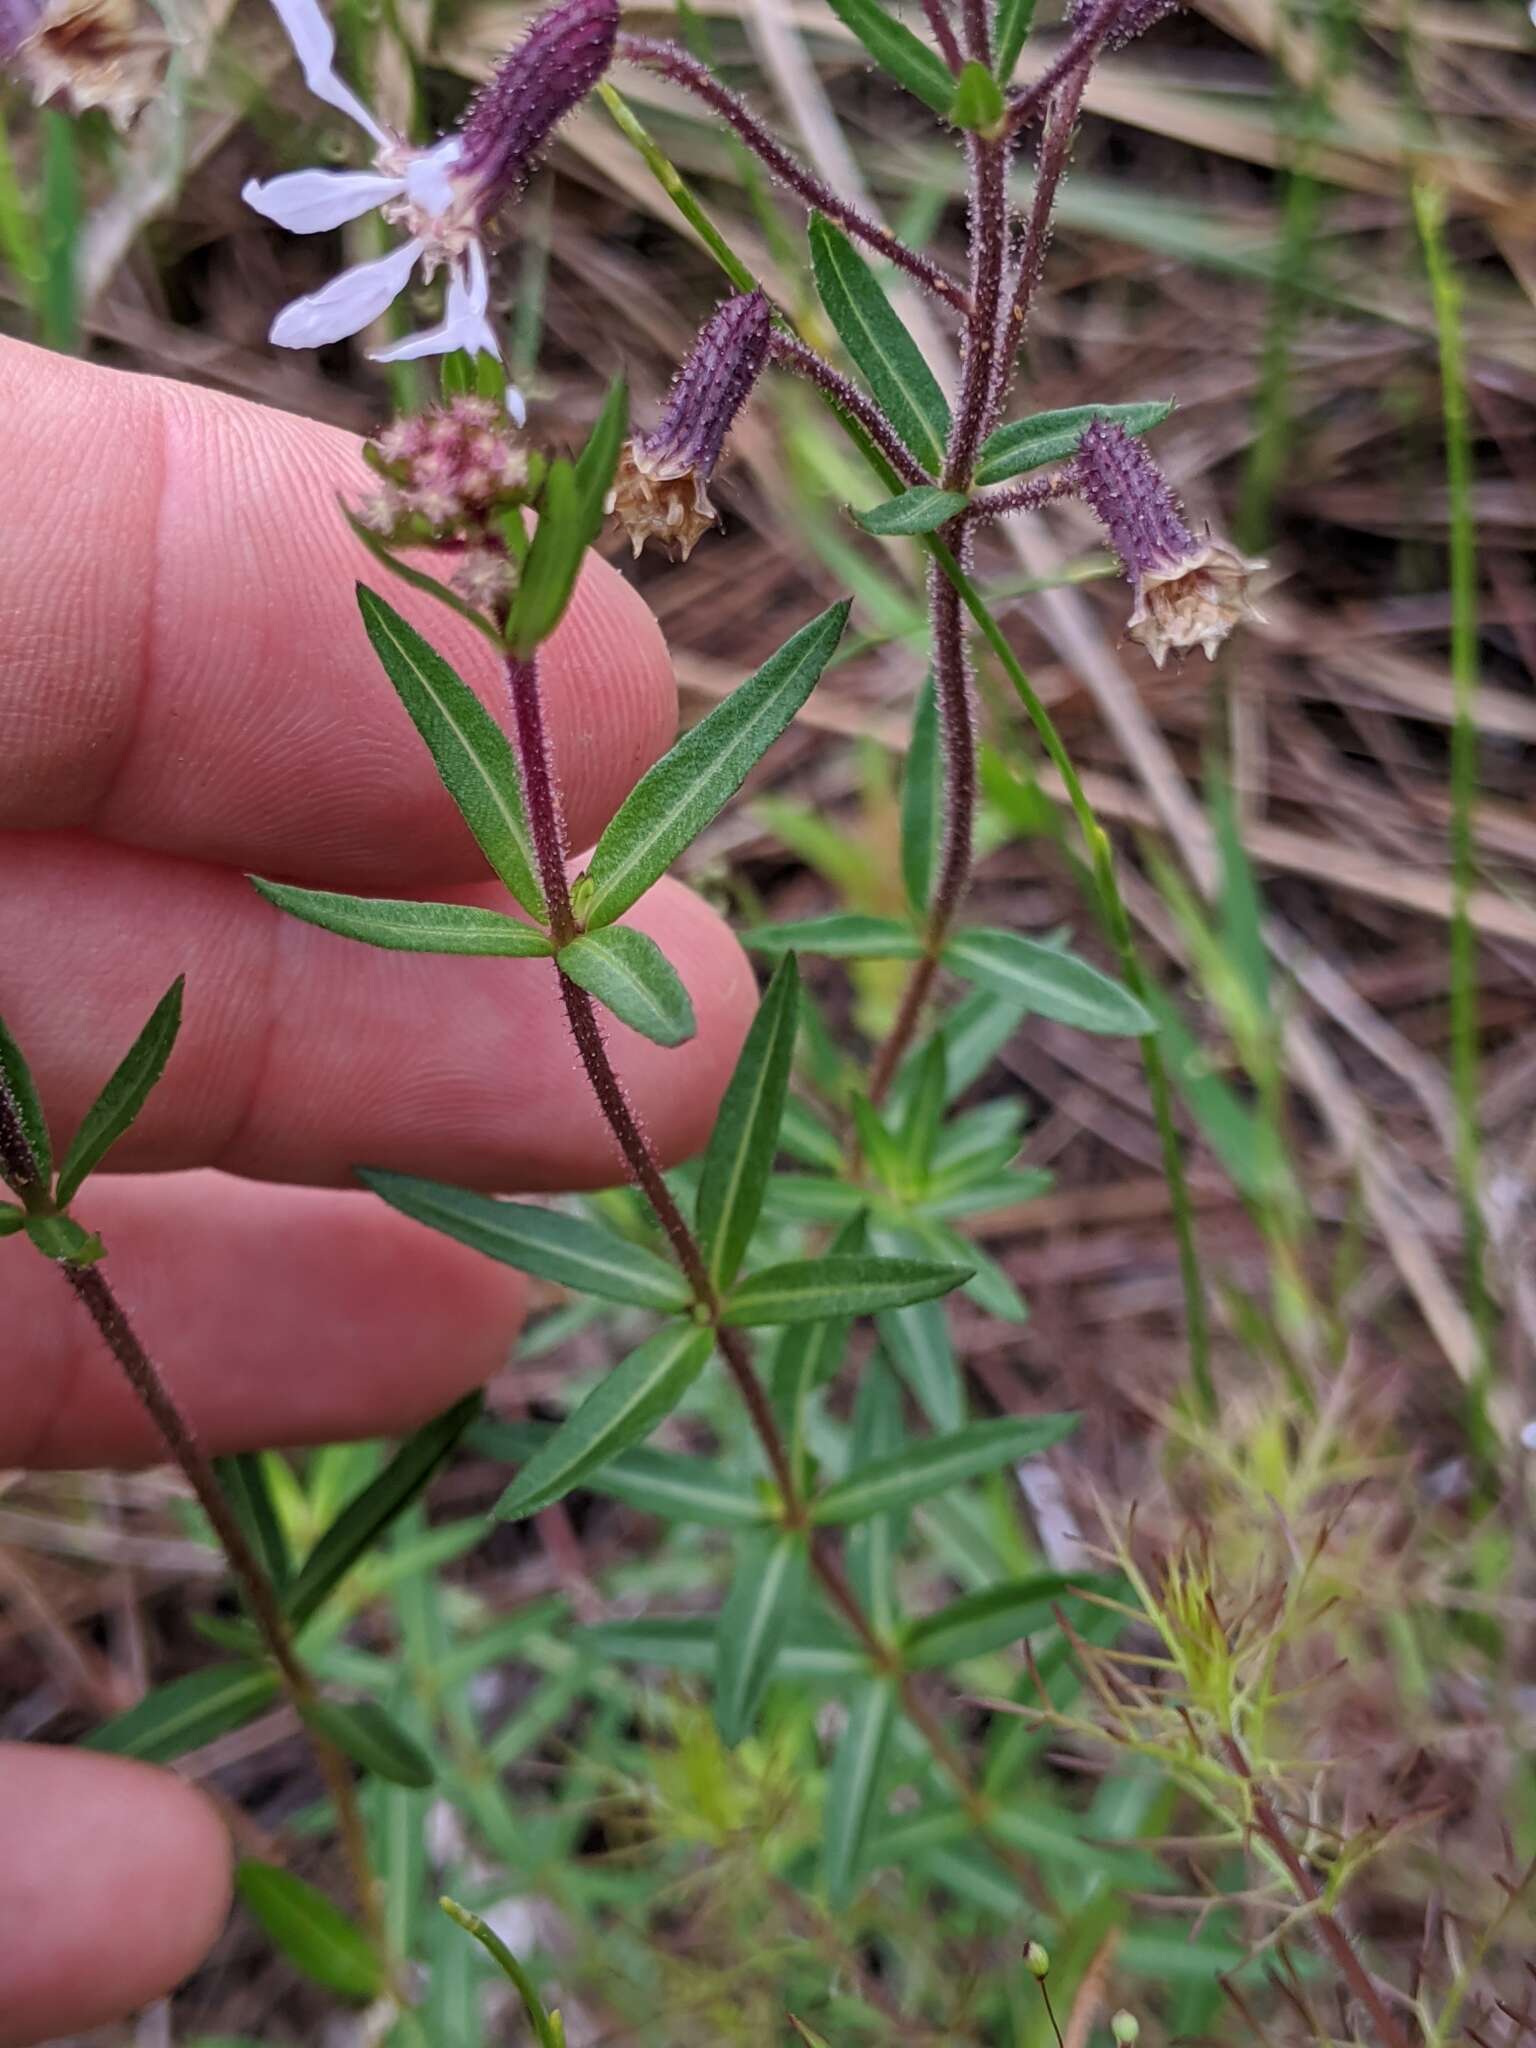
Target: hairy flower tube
(446, 197)
(85, 53)
(1189, 592)
(661, 491)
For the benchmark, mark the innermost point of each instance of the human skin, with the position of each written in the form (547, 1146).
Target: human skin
(187, 695)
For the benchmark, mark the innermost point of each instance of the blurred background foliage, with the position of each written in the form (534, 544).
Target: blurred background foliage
(1313, 224)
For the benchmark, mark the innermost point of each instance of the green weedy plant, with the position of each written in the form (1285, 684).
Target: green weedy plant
(728, 1276)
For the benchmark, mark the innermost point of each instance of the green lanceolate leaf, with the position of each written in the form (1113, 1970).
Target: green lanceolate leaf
(656, 1482)
(938, 1463)
(63, 1239)
(554, 561)
(921, 510)
(410, 927)
(811, 1290)
(687, 1643)
(631, 976)
(188, 1712)
(675, 800)
(845, 935)
(808, 1354)
(886, 356)
(1023, 445)
(312, 1933)
(365, 1518)
(1052, 981)
(978, 101)
(898, 51)
(923, 1110)
(472, 754)
(765, 1594)
(922, 802)
(243, 1476)
(418, 579)
(989, 1620)
(124, 1095)
(362, 1730)
(854, 1784)
(1014, 20)
(11, 1220)
(746, 1134)
(621, 1410)
(16, 1078)
(545, 1242)
(598, 460)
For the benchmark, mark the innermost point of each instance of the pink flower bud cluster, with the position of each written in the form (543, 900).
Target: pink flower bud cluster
(446, 478)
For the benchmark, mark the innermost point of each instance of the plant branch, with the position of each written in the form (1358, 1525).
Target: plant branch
(90, 1288)
(790, 353)
(1051, 161)
(674, 63)
(1023, 497)
(1083, 43)
(1271, 1831)
(543, 802)
(943, 34)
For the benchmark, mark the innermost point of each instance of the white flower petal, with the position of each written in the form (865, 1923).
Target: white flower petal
(348, 303)
(516, 404)
(306, 202)
(464, 318)
(314, 44)
(428, 176)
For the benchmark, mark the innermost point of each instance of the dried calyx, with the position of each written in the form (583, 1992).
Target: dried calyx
(661, 490)
(1190, 592)
(448, 478)
(110, 54)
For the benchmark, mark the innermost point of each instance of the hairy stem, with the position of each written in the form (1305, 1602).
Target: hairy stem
(90, 1288)
(1050, 168)
(1080, 47)
(1023, 497)
(974, 411)
(675, 63)
(547, 825)
(790, 353)
(940, 28)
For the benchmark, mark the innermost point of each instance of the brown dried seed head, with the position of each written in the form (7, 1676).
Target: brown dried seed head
(658, 502)
(86, 53)
(1193, 603)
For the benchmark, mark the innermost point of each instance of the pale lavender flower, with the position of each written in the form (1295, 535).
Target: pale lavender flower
(1189, 592)
(660, 492)
(445, 197)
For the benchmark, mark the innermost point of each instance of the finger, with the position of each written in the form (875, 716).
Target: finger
(113, 1888)
(303, 1054)
(186, 667)
(277, 1315)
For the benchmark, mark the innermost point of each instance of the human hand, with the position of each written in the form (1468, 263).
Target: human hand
(188, 694)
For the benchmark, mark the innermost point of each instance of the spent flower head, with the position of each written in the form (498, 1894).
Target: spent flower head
(448, 478)
(661, 491)
(445, 197)
(85, 53)
(1189, 592)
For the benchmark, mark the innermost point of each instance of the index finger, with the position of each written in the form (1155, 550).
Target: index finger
(186, 668)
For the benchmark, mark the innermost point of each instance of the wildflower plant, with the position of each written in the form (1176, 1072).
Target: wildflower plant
(462, 502)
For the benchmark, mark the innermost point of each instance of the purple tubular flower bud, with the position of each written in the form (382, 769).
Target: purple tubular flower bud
(557, 63)
(1189, 592)
(711, 388)
(661, 492)
(1132, 498)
